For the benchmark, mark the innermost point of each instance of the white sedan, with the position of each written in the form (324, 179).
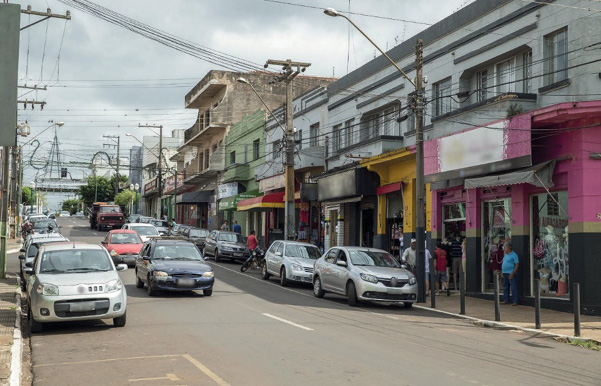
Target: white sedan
(146, 231)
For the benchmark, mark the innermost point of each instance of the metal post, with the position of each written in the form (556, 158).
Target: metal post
(160, 179)
(419, 168)
(13, 192)
(461, 293)
(4, 210)
(537, 304)
(576, 294)
(432, 283)
(497, 305)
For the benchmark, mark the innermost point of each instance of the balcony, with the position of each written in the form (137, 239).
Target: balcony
(269, 168)
(193, 174)
(237, 173)
(203, 130)
(310, 158)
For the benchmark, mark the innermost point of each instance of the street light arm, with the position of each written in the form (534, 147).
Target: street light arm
(374, 44)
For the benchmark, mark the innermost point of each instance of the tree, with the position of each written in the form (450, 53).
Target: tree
(105, 187)
(124, 198)
(26, 195)
(71, 205)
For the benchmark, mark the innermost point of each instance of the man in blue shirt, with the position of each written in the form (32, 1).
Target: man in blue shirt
(237, 228)
(510, 269)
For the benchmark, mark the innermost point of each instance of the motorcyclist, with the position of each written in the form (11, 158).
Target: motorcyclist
(252, 241)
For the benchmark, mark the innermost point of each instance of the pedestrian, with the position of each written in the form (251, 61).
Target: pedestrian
(463, 259)
(252, 241)
(428, 257)
(509, 268)
(440, 261)
(236, 227)
(224, 226)
(409, 254)
(456, 255)
(446, 245)
(164, 218)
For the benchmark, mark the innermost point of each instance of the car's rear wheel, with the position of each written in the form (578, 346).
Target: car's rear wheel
(264, 274)
(217, 259)
(139, 282)
(317, 290)
(149, 289)
(352, 295)
(408, 305)
(208, 292)
(283, 279)
(120, 321)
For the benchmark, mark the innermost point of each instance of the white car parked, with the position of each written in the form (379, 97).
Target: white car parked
(290, 261)
(146, 231)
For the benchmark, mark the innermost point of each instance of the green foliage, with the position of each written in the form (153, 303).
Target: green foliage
(26, 195)
(124, 198)
(71, 205)
(514, 109)
(100, 187)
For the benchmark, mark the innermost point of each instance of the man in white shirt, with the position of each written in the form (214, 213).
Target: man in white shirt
(409, 254)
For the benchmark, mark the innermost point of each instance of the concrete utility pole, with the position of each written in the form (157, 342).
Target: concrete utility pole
(117, 170)
(291, 70)
(160, 166)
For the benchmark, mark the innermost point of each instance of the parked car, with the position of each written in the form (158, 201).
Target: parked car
(44, 225)
(79, 215)
(52, 215)
(184, 230)
(173, 265)
(290, 261)
(364, 274)
(144, 219)
(225, 244)
(123, 245)
(30, 249)
(133, 218)
(56, 292)
(146, 231)
(198, 237)
(64, 213)
(161, 225)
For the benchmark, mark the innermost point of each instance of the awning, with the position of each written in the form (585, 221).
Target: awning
(390, 188)
(193, 197)
(231, 203)
(446, 184)
(540, 175)
(269, 201)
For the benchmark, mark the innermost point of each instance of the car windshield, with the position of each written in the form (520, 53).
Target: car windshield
(44, 223)
(198, 233)
(176, 252)
(75, 261)
(125, 238)
(231, 237)
(373, 259)
(302, 251)
(146, 231)
(160, 223)
(110, 209)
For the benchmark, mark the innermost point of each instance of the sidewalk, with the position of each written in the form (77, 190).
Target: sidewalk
(553, 322)
(8, 318)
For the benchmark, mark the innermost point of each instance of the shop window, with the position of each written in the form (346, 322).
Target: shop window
(550, 243)
(555, 53)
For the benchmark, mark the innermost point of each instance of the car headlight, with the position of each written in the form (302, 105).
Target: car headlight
(297, 267)
(114, 253)
(160, 274)
(225, 248)
(102, 218)
(48, 289)
(369, 278)
(113, 285)
(412, 280)
(208, 274)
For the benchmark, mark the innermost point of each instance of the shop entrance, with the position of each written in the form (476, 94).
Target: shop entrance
(367, 228)
(453, 220)
(496, 228)
(333, 228)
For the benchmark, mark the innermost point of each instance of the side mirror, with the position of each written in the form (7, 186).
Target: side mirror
(103, 242)
(29, 265)
(146, 258)
(21, 257)
(22, 250)
(341, 263)
(121, 267)
(278, 254)
(28, 271)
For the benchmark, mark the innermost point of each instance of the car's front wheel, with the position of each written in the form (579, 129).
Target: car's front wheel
(408, 305)
(317, 289)
(217, 258)
(283, 279)
(264, 274)
(149, 289)
(34, 326)
(120, 321)
(352, 295)
(207, 292)
(139, 282)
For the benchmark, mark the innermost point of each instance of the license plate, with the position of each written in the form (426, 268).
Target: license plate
(185, 283)
(81, 307)
(238, 254)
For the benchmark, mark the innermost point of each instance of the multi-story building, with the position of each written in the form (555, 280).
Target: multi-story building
(511, 136)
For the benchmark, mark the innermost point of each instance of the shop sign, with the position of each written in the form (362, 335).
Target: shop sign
(169, 184)
(272, 183)
(150, 185)
(227, 190)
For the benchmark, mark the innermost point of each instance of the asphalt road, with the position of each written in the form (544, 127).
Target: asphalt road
(254, 332)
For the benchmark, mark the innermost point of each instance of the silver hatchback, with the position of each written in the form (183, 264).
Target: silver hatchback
(364, 274)
(291, 261)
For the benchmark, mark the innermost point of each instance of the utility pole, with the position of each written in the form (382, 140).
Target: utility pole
(13, 191)
(117, 170)
(160, 168)
(4, 213)
(419, 173)
(290, 71)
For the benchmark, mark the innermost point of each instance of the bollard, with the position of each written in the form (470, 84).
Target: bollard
(432, 284)
(461, 293)
(576, 292)
(536, 304)
(497, 305)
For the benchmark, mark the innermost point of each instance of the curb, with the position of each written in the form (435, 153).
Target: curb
(491, 324)
(17, 347)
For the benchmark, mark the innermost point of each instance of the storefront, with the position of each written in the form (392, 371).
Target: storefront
(229, 206)
(151, 198)
(309, 227)
(266, 214)
(539, 191)
(195, 209)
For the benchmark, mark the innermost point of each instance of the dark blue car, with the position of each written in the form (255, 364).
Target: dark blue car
(173, 264)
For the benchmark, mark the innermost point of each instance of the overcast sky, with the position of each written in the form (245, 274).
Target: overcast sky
(109, 79)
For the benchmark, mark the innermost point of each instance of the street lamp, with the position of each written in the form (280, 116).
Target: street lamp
(31, 196)
(419, 152)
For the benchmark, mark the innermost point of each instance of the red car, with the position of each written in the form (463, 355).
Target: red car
(123, 246)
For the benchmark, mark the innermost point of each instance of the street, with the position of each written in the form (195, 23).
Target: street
(254, 332)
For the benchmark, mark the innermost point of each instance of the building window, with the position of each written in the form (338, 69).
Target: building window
(482, 85)
(442, 97)
(527, 72)
(336, 138)
(298, 137)
(556, 56)
(207, 159)
(201, 162)
(314, 134)
(389, 124)
(348, 132)
(245, 153)
(277, 149)
(256, 149)
(232, 158)
(505, 72)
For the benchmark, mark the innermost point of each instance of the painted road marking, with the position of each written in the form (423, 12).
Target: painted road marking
(205, 370)
(288, 322)
(96, 234)
(171, 377)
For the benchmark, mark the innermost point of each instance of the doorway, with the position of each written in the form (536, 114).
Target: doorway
(367, 228)
(496, 228)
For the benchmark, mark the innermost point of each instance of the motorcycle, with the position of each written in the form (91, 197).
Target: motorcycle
(256, 260)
